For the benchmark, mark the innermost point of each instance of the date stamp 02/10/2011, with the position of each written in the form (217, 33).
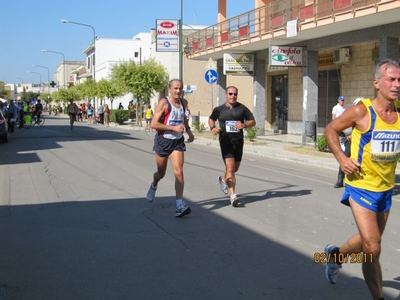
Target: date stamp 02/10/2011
(340, 258)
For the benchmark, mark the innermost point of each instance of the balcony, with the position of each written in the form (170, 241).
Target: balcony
(265, 26)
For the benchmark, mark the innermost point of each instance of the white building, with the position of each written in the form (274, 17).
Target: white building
(170, 61)
(110, 52)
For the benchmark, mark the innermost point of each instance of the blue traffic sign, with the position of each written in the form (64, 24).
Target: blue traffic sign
(211, 76)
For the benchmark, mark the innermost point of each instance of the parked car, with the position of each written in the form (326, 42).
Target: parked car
(3, 128)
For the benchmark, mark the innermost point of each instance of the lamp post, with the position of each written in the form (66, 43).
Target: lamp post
(181, 44)
(22, 82)
(65, 70)
(48, 78)
(94, 49)
(39, 75)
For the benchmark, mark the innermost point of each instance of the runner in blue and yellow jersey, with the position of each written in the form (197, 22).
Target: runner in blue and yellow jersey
(370, 170)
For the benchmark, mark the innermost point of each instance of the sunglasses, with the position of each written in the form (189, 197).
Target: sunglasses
(234, 94)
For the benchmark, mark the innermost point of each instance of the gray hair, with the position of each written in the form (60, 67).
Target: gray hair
(383, 65)
(172, 80)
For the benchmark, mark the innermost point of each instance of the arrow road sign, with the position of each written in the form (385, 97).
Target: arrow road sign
(211, 76)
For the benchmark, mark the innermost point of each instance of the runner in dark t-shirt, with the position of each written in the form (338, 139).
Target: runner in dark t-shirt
(232, 117)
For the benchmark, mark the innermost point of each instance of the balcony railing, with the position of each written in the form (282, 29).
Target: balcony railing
(270, 20)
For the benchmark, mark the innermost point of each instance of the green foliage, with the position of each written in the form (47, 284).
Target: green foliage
(64, 95)
(46, 98)
(108, 88)
(251, 133)
(119, 116)
(322, 145)
(199, 126)
(29, 96)
(86, 90)
(142, 80)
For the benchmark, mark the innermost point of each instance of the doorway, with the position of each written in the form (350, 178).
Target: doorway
(279, 102)
(328, 93)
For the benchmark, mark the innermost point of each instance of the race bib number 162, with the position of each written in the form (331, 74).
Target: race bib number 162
(230, 126)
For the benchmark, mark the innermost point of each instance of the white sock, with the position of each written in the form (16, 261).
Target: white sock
(178, 202)
(154, 186)
(233, 196)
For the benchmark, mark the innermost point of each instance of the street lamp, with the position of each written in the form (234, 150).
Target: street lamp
(94, 43)
(48, 78)
(39, 75)
(94, 49)
(181, 44)
(22, 83)
(65, 70)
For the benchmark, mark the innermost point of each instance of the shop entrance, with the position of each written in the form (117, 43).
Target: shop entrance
(279, 102)
(328, 93)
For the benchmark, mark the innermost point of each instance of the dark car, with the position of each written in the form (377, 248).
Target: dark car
(3, 128)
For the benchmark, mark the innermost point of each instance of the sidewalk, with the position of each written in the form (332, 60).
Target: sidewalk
(279, 146)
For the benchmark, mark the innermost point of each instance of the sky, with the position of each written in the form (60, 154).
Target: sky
(29, 26)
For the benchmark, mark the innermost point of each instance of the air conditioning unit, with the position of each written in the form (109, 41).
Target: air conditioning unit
(341, 56)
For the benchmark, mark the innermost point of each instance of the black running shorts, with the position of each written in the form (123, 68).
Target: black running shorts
(232, 150)
(164, 147)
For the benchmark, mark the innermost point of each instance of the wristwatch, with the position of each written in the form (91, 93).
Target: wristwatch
(212, 127)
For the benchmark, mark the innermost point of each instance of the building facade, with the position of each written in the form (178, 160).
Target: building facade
(340, 41)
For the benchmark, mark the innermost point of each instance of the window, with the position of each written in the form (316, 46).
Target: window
(136, 54)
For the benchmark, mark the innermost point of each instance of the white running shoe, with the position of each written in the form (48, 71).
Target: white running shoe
(331, 268)
(234, 200)
(223, 186)
(182, 210)
(151, 194)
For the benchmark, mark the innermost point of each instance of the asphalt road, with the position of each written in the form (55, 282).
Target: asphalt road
(75, 224)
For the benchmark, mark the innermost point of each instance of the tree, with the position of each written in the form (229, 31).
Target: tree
(27, 97)
(46, 98)
(109, 89)
(64, 95)
(142, 80)
(87, 89)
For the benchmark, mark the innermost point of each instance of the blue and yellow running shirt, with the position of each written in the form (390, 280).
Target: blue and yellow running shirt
(377, 150)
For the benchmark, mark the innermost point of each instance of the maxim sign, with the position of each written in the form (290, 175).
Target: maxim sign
(286, 56)
(167, 37)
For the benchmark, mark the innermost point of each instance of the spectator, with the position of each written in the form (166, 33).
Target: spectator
(12, 115)
(90, 113)
(107, 113)
(100, 111)
(131, 109)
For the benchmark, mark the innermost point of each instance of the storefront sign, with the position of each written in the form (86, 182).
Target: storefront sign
(325, 60)
(286, 56)
(167, 36)
(238, 64)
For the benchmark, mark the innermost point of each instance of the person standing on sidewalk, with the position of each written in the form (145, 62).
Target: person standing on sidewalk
(100, 111)
(345, 142)
(12, 115)
(149, 117)
(170, 123)
(370, 170)
(232, 117)
(337, 111)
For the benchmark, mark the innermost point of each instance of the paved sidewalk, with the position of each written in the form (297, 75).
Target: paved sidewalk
(283, 146)
(279, 146)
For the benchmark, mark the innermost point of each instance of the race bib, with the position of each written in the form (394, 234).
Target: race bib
(230, 126)
(385, 146)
